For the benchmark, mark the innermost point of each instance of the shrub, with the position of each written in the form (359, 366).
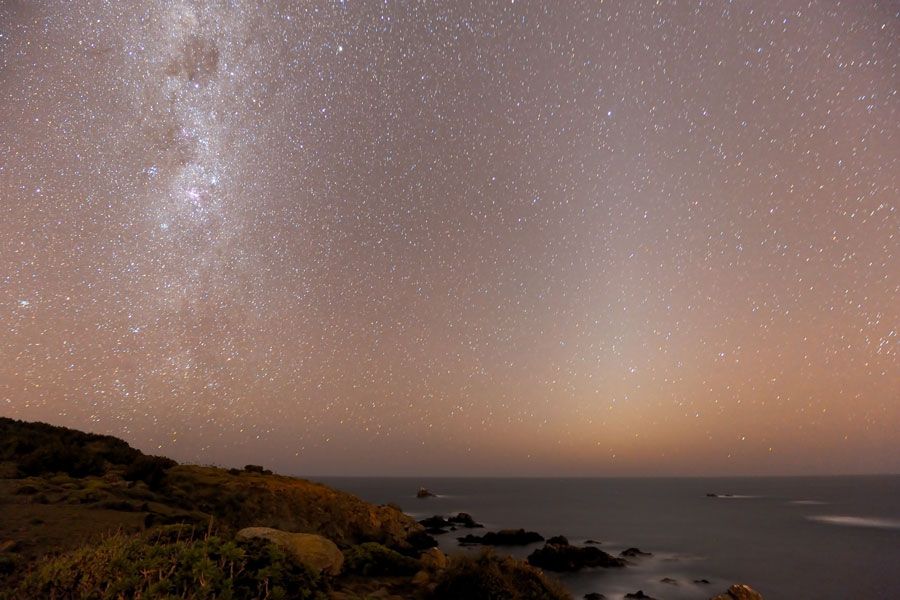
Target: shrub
(171, 563)
(488, 577)
(372, 559)
(149, 469)
(39, 448)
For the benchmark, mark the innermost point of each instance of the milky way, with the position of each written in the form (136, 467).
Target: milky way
(472, 238)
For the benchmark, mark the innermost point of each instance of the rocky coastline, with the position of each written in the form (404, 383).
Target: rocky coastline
(87, 516)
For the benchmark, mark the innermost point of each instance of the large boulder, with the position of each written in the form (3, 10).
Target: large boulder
(739, 592)
(319, 554)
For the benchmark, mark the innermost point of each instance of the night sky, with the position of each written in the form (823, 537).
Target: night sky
(595, 238)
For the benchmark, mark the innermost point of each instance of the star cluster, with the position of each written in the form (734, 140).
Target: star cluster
(592, 237)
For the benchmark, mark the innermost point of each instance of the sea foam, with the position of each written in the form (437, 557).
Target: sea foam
(851, 521)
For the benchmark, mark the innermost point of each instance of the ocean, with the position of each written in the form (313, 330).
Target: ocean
(791, 538)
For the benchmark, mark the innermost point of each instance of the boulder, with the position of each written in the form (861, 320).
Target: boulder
(739, 592)
(504, 537)
(319, 554)
(564, 557)
(634, 552)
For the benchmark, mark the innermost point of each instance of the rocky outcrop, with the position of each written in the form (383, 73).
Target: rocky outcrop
(289, 504)
(739, 592)
(437, 524)
(425, 493)
(464, 520)
(319, 554)
(565, 557)
(594, 596)
(639, 595)
(504, 537)
(634, 553)
(559, 540)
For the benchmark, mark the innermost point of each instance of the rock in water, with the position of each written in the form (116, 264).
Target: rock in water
(594, 596)
(320, 554)
(559, 539)
(639, 595)
(563, 557)
(465, 520)
(425, 493)
(739, 592)
(504, 537)
(435, 522)
(634, 552)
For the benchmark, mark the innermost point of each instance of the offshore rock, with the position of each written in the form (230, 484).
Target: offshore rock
(464, 520)
(504, 537)
(565, 557)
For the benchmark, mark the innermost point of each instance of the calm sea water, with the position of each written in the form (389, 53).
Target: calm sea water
(792, 538)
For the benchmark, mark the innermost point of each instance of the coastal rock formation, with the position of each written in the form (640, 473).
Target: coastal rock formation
(639, 595)
(437, 524)
(464, 520)
(425, 493)
(594, 596)
(320, 554)
(289, 504)
(559, 539)
(634, 553)
(565, 557)
(504, 537)
(739, 592)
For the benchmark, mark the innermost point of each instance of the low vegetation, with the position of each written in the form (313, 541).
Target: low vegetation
(372, 559)
(170, 563)
(487, 576)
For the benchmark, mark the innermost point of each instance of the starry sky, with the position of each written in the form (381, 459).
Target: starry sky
(472, 238)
